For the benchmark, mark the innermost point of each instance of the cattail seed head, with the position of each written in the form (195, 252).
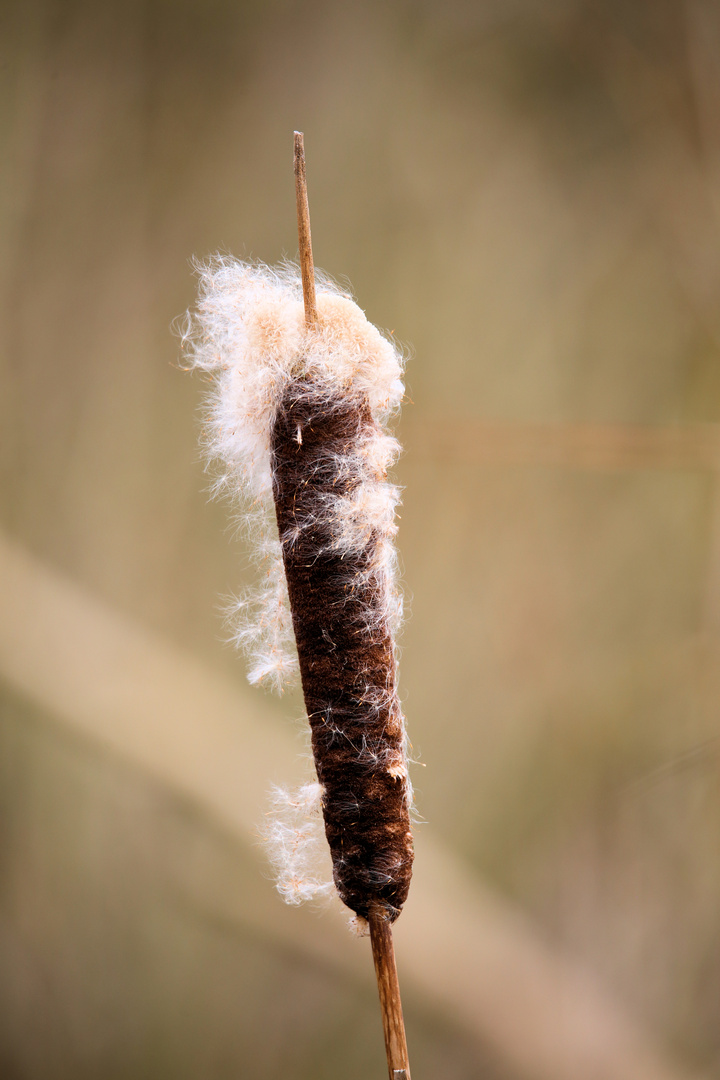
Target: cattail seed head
(297, 422)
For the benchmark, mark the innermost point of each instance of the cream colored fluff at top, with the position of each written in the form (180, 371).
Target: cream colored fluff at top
(248, 332)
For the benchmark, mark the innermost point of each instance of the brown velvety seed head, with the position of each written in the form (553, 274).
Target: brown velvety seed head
(347, 661)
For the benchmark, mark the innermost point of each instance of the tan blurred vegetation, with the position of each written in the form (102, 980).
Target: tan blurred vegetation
(529, 195)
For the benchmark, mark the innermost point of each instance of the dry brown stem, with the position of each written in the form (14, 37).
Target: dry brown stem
(389, 990)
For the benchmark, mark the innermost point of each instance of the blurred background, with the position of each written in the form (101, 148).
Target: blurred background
(528, 196)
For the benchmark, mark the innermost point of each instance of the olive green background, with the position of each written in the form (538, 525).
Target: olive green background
(528, 196)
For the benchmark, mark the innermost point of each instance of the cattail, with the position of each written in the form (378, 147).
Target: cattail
(304, 388)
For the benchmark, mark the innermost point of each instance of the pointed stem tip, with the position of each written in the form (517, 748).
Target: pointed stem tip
(307, 268)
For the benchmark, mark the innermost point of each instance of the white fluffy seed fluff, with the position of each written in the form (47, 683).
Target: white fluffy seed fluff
(296, 844)
(248, 334)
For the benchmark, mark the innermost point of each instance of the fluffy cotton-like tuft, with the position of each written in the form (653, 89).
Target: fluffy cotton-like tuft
(248, 333)
(295, 842)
